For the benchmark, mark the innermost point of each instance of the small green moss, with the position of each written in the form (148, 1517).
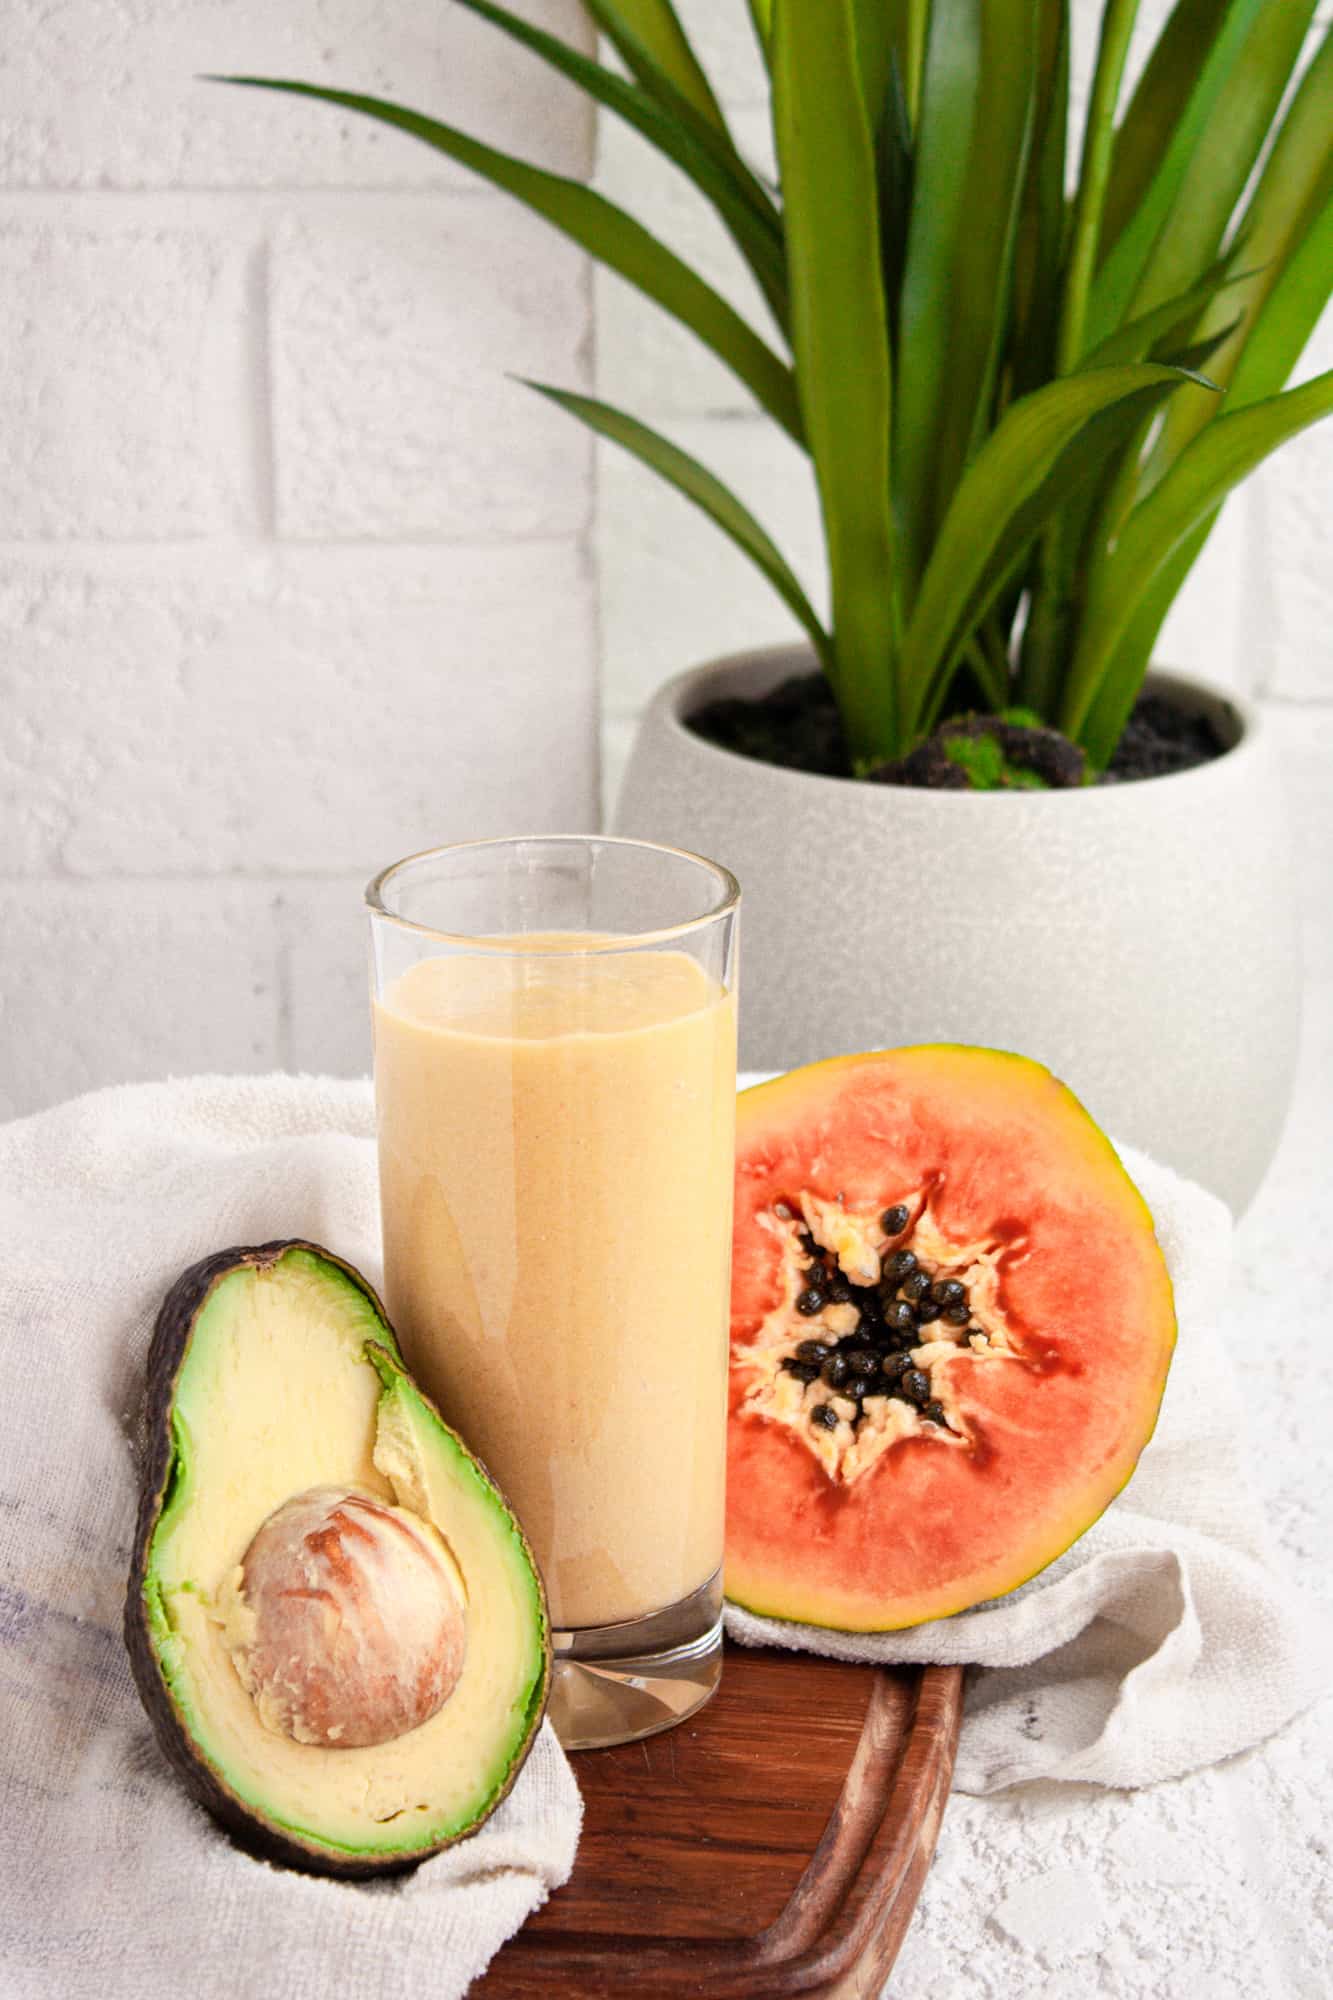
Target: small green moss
(982, 759)
(987, 767)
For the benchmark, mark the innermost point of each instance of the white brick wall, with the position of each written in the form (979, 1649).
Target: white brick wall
(1256, 613)
(292, 576)
(291, 572)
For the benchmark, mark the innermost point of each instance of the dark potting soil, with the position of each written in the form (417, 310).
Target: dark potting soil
(796, 726)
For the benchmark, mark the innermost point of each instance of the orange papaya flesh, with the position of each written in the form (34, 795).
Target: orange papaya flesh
(970, 1455)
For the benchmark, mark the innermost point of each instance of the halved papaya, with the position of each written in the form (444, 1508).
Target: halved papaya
(951, 1328)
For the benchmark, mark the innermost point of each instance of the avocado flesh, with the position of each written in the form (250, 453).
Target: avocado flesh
(290, 1381)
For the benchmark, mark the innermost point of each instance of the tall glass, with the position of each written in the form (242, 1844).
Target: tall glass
(555, 1070)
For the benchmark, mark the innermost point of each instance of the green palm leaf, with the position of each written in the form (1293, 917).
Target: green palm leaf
(840, 340)
(1160, 102)
(1070, 486)
(907, 24)
(874, 57)
(1000, 505)
(761, 14)
(716, 169)
(1163, 152)
(1225, 153)
(980, 92)
(706, 491)
(1283, 240)
(949, 85)
(1132, 653)
(649, 39)
(982, 257)
(598, 226)
(1041, 223)
(1167, 324)
(1095, 706)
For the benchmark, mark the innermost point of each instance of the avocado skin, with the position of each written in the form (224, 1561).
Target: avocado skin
(171, 1338)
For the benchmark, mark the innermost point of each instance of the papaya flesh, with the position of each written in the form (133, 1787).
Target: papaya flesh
(951, 1324)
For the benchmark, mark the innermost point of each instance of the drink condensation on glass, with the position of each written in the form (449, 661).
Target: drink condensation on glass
(555, 1069)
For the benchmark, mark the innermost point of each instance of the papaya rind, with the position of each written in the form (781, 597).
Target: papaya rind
(768, 1589)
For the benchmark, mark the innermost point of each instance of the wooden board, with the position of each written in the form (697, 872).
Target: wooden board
(774, 1844)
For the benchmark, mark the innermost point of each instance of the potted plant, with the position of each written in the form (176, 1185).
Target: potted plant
(1025, 393)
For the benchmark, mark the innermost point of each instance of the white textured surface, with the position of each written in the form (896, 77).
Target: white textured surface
(425, 434)
(292, 576)
(118, 353)
(109, 93)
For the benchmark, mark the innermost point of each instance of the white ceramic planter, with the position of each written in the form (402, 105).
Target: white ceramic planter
(1140, 939)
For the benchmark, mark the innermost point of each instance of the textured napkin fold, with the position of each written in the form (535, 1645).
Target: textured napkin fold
(111, 1880)
(1165, 1638)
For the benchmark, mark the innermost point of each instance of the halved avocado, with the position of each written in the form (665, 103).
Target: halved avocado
(273, 1373)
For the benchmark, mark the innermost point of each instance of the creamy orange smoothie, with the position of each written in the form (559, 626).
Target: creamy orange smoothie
(556, 1141)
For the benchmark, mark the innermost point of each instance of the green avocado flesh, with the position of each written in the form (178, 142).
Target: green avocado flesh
(287, 1378)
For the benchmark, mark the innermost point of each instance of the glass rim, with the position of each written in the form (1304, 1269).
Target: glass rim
(726, 906)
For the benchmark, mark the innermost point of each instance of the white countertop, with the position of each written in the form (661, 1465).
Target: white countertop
(1218, 1884)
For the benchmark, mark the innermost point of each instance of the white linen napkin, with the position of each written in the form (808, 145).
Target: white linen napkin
(1162, 1641)
(1167, 1637)
(111, 1880)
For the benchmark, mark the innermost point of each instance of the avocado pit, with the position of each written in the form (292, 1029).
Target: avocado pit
(345, 1619)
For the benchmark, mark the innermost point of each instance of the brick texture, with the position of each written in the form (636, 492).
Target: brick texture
(293, 579)
(110, 93)
(299, 712)
(395, 338)
(118, 981)
(119, 350)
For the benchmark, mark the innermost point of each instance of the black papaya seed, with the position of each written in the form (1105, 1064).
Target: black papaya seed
(948, 1291)
(894, 1220)
(810, 1302)
(825, 1416)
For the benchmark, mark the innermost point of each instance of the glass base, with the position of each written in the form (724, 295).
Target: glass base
(616, 1683)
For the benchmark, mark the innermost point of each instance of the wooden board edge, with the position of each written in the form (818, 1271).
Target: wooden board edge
(843, 1925)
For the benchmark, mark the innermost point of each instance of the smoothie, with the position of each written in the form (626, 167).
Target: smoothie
(556, 1151)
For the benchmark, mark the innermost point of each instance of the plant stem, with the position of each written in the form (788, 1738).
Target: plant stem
(1094, 172)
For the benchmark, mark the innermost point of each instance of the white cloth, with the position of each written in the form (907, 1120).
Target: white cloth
(1167, 1637)
(111, 1880)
